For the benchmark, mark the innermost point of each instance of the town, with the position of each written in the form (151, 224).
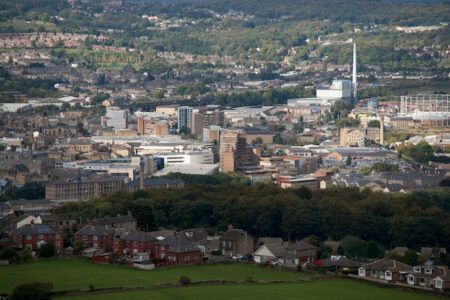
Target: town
(295, 146)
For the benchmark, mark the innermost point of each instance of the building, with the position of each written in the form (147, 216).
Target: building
(177, 250)
(211, 134)
(116, 118)
(339, 89)
(270, 250)
(154, 183)
(149, 126)
(234, 152)
(95, 236)
(82, 187)
(388, 270)
(184, 119)
(295, 183)
(168, 110)
(119, 225)
(34, 235)
(236, 243)
(258, 135)
(301, 252)
(137, 242)
(204, 118)
(430, 110)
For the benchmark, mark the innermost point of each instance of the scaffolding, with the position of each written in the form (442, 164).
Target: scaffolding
(429, 109)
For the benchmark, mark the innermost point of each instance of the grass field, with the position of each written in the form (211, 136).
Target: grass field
(72, 274)
(319, 290)
(77, 274)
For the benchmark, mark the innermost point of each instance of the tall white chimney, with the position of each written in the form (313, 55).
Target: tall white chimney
(354, 79)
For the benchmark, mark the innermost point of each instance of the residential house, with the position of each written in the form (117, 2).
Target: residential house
(24, 219)
(34, 235)
(236, 243)
(137, 242)
(301, 252)
(427, 252)
(270, 251)
(339, 262)
(388, 270)
(120, 225)
(95, 236)
(177, 250)
(442, 281)
(424, 276)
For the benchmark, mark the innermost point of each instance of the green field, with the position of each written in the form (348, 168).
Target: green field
(71, 274)
(78, 274)
(319, 290)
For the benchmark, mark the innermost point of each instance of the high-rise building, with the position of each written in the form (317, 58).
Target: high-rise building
(184, 119)
(203, 118)
(116, 118)
(234, 152)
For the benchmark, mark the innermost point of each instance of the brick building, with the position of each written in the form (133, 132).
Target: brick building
(33, 235)
(95, 236)
(137, 242)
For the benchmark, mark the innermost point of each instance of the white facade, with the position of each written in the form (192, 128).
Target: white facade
(195, 157)
(339, 89)
(116, 118)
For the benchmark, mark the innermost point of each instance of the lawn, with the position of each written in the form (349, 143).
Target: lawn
(319, 290)
(73, 274)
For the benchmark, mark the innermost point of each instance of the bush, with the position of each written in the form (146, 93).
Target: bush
(47, 250)
(33, 291)
(10, 254)
(184, 280)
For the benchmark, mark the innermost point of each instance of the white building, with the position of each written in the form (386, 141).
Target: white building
(116, 118)
(339, 89)
(188, 157)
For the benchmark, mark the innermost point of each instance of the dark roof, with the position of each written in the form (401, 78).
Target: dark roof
(32, 229)
(93, 230)
(341, 261)
(233, 234)
(387, 264)
(139, 236)
(165, 233)
(301, 246)
(270, 240)
(178, 244)
(194, 234)
(113, 220)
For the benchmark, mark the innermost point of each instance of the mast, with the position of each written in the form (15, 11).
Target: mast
(354, 79)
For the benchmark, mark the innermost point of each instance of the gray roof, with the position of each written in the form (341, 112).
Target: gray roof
(93, 230)
(113, 220)
(341, 261)
(233, 234)
(139, 236)
(178, 244)
(33, 229)
(301, 246)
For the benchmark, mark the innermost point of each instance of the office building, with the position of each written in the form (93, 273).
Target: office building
(184, 119)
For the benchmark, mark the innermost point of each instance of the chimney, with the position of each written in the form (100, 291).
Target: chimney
(354, 78)
(30, 148)
(141, 176)
(382, 131)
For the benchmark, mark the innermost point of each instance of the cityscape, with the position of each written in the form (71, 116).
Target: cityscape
(228, 149)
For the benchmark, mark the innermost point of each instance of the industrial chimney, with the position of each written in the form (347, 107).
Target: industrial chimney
(141, 175)
(354, 78)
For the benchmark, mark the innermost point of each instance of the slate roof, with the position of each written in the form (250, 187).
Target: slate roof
(194, 234)
(95, 230)
(388, 264)
(276, 249)
(270, 240)
(233, 234)
(301, 246)
(113, 220)
(178, 244)
(341, 261)
(33, 229)
(139, 236)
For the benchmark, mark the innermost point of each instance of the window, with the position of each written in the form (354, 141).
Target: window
(95, 238)
(438, 283)
(428, 271)
(85, 237)
(41, 236)
(28, 237)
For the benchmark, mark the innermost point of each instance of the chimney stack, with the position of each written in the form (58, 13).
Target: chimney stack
(141, 176)
(30, 148)
(354, 78)
(382, 131)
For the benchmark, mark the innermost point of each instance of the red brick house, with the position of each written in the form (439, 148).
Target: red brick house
(33, 235)
(137, 242)
(301, 252)
(176, 250)
(95, 236)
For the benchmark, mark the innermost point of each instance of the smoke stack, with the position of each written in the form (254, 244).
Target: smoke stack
(382, 131)
(141, 176)
(30, 148)
(354, 79)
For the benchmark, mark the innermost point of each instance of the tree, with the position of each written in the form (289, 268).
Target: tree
(47, 250)
(340, 250)
(348, 162)
(33, 291)
(373, 250)
(353, 246)
(410, 258)
(374, 123)
(304, 193)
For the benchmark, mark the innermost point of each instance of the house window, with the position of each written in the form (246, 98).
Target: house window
(417, 269)
(362, 272)
(95, 238)
(41, 236)
(410, 279)
(438, 283)
(28, 237)
(388, 275)
(428, 271)
(85, 237)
